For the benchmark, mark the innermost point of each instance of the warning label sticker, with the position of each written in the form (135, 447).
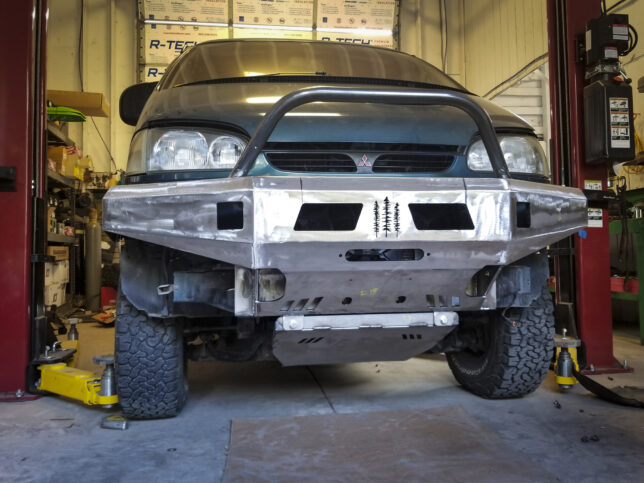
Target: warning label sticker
(620, 131)
(618, 104)
(619, 119)
(591, 184)
(610, 53)
(595, 216)
(620, 32)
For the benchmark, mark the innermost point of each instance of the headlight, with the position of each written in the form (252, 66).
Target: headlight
(523, 154)
(224, 151)
(179, 150)
(183, 149)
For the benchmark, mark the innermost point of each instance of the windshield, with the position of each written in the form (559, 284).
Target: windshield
(234, 59)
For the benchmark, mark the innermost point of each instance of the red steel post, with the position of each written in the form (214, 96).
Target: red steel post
(22, 36)
(592, 277)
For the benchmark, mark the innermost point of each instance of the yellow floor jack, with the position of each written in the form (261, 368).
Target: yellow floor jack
(567, 374)
(58, 375)
(566, 361)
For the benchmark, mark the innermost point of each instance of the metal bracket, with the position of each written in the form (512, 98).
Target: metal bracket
(365, 321)
(51, 356)
(42, 258)
(165, 289)
(581, 48)
(563, 341)
(603, 68)
(114, 421)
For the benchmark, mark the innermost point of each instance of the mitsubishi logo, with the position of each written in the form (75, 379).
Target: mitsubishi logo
(364, 162)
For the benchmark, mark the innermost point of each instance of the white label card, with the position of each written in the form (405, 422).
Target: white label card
(595, 215)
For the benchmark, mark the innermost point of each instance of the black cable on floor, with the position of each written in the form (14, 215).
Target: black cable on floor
(605, 393)
(322, 389)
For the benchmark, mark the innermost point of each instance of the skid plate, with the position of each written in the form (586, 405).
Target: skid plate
(310, 340)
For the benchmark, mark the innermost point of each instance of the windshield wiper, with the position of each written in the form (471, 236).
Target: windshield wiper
(253, 78)
(289, 73)
(304, 77)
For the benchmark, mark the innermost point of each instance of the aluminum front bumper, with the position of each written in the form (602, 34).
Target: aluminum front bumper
(319, 278)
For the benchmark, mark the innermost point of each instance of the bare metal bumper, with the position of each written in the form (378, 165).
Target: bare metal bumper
(184, 216)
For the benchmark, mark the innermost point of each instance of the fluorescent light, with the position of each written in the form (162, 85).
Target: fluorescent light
(272, 27)
(183, 22)
(377, 32)
(261, 100)
(309, 114)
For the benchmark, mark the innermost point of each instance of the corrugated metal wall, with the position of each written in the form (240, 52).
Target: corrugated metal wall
(530, 99)
(433, 29)
(500, 38)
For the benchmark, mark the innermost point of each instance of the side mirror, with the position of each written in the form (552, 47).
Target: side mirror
(132, 101)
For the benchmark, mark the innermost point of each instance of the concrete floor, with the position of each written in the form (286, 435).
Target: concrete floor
(52, 439)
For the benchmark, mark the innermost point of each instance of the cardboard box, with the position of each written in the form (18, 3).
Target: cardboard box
(50, 269)
(58, 252)
(65, 157)
(56, 272)
(57, 154)
(162, 43)
(89, 103)
(62, 271)
(68, 167)
(55, 294)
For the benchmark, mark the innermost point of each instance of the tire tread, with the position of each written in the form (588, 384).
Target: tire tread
(519, 360)
(150, 374)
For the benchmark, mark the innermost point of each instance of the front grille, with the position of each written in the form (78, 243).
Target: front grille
(312, 162)
(348, 147)
(412, 163)
(363, 158)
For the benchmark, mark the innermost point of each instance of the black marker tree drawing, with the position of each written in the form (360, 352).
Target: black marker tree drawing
(376, 218)
(397, 219)
(386, 221)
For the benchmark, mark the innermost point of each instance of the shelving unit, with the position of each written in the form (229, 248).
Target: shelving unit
(56, 179)
(57, 137)
(63, 239)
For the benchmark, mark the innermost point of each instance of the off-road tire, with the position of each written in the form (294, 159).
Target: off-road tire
(517, 354)
(150, 366)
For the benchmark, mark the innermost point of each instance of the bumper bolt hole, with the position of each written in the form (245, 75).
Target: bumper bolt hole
(346, 300)
(401, 299)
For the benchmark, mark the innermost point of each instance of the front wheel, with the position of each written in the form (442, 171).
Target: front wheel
(515, 353)
(150, 365)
